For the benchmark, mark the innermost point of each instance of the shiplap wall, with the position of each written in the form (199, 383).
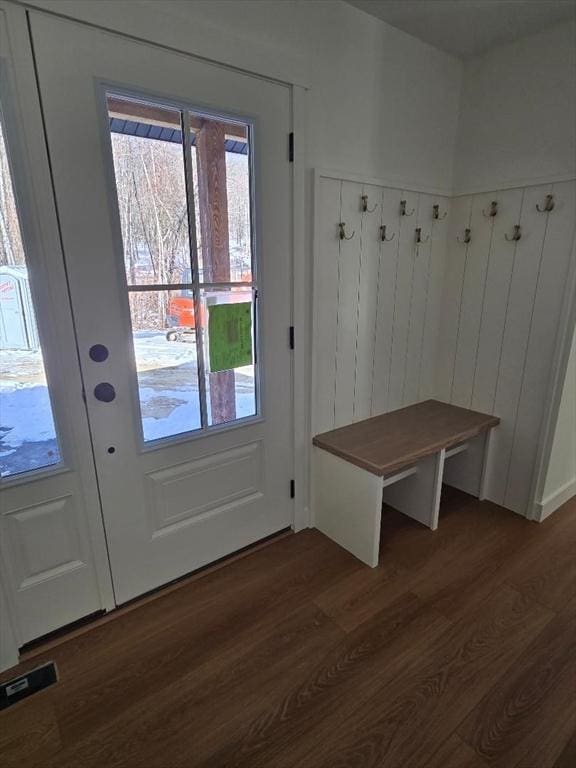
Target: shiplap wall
(376, 304)
(474, 325)
(501, 308)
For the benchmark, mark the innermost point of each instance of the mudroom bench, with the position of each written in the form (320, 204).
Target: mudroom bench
(400, 458)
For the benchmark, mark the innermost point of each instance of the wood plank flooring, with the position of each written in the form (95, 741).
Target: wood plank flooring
(457, 652)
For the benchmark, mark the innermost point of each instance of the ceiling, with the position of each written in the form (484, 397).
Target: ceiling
(467, 28)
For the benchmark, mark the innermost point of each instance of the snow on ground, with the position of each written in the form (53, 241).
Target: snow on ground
(169, 399)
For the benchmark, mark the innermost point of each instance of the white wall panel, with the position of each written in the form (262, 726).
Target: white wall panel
(432, 313)
(473, 324)
(367, 298)
(504, 257)
(347, 306)
(456, 258)
(545, 316)
(385, 300)
(471, 301)
(326, 303)
(417, 304)
(506, 325)
(509, 307)
(401, 318)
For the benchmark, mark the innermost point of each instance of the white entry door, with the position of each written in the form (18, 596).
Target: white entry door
(53, 563)
(173, 187)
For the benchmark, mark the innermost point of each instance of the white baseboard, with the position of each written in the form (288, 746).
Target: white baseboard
(554, 500)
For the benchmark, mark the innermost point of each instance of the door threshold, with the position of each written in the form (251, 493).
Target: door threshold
(62, 635)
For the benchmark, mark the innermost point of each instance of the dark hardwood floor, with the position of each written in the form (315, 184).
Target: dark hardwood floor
(457, 652)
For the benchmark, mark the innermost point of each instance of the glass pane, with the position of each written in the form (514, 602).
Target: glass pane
(27, 431)
(151, 191)
(221, 170)
(228, 337)
(163, 327)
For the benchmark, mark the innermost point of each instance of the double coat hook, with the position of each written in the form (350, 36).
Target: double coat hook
(403, 211)
(466, 239)
(492, 211)
(548, 205)
(342, 231)
(364, 205)
(516, 235)
(418, 237)
(436, 212)
(383, 237)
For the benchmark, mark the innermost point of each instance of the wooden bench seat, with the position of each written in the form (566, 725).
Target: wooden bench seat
(400, 458)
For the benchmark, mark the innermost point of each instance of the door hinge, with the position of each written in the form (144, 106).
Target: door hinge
(291, 337)
(291, 146)
(292, 489)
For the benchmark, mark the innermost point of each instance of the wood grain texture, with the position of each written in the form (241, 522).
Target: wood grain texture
(298, 655)
(394, 440)
(568, 757)
(28, 734)
(215, 245)
(521, 712)
(454, 753)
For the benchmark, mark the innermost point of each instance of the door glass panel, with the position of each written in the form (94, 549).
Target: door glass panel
(28, 437)
(177, 272)
(228, 336)
(163, 329)
(221, 168)
(151, 191)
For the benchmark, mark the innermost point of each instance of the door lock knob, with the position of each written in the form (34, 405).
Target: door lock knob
(98, 353)
(104, 392)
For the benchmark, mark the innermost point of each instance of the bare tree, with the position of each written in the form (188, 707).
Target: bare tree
(11, 249)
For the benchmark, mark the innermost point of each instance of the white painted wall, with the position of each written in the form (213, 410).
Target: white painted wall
(518, 113)
(560, 483)
(380, 103)
(376, 304)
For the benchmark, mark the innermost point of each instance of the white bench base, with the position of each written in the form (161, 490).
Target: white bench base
(347, 500)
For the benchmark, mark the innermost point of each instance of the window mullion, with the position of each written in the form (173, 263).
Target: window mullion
(199, 336)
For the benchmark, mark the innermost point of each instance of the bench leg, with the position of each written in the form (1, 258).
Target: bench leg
(467, 470)
(347, 505)
(418, 496)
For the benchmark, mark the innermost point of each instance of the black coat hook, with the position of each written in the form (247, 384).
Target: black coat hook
(436, 212)
(403, 211)
(364, 205)
(467, 238)
(492, 211)
(516, 234)
(418, 237)
(548, 205)
(383, 237)
(342, 232)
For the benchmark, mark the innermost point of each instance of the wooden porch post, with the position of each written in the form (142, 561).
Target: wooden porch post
(213, 214)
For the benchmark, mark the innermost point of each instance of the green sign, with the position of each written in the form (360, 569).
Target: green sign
(230, 335)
